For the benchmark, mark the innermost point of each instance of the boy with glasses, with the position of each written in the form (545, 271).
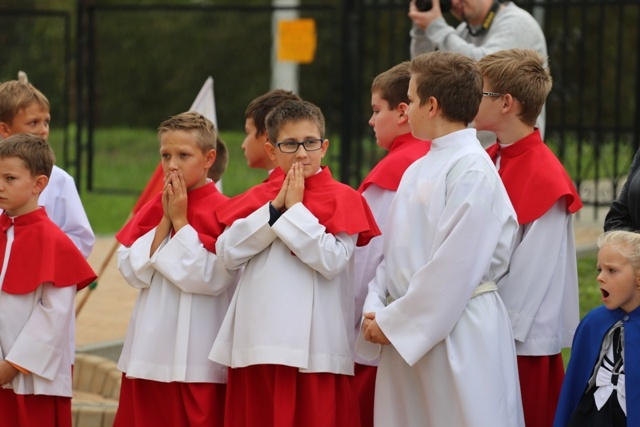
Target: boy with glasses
(541, 288)
(288, 333)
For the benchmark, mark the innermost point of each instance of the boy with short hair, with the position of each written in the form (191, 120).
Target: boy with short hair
(24, 109)
(41, 271)
(168, 252)
(448, 356)
(288, 333)
(390, 124)
(540, 290)
(255, 128)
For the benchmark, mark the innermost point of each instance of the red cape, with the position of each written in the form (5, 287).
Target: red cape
(275, 175)
(201, 203)
(387, 174)
(336, 205)
(40, 253)
(534, 177)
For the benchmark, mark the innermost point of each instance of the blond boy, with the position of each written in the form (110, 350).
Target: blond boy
(24, 109)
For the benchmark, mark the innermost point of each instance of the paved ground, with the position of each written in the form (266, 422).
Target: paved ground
(105, 315)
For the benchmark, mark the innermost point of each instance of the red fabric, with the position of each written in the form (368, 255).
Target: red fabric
(153, 187)
(151, 403)
(201, 204)
(534, 177)
(540, 383)
(364, 386)
(336, 205)
(281, 396)
(275, 175)
(40, 253)
(387, 174)
(34, 410)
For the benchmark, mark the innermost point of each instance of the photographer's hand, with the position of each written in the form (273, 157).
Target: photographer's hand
(424, 19)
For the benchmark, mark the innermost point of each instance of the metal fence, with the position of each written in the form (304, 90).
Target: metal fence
(593, 119)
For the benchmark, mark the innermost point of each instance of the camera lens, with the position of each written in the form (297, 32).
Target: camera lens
(424, 5)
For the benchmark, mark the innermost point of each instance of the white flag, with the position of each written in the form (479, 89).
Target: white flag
(205, 102)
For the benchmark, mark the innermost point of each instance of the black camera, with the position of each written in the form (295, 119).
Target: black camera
(424, 5)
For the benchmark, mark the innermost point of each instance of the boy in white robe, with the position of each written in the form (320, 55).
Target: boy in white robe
(448, 357)
(540, 290)
(168, 253)
(41, 270)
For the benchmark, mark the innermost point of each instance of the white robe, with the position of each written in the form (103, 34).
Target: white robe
(540, 290)
(184, 295)
(62, 202)
(367, 258)
(452, 360)
(34, 334)
(294, 303)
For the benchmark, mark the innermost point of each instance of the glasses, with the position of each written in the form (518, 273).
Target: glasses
(492, 94)
(292, 146)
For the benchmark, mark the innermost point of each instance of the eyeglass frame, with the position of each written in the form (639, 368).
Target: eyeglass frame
(497, 95)
(299, 144)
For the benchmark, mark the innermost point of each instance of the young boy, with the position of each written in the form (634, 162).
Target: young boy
(288, 334)
(391, 126)
(168, 252)
(41, 270)
(24, 109)
(448, 357)
(540, 290)
(256, 131)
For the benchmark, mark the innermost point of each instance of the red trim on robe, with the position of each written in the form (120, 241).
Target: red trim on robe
(336, 205)
(534, 177)
(40, 253)
(201, 203)
(387, 174)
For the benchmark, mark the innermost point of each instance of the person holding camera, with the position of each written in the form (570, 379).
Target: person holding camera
(487, 26)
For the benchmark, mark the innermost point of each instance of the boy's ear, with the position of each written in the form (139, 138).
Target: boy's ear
(404, 118)
(508, 103)
(5, 130)
(432, 107)
(210, 157)
(40, 183)
(271, 150)
(325, 146)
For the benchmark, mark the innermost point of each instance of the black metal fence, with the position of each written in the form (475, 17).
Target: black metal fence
(593, 119)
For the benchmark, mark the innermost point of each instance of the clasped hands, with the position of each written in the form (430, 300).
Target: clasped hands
(372, 331)
(292, 190)
(174, 200)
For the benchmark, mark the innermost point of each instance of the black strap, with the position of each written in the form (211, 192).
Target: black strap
(488, 20)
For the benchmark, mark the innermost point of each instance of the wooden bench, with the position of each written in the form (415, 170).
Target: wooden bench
(96, 389)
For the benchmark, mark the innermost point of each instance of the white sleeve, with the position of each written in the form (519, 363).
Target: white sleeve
(68, 214)
(245, 238)
(134, 262)
(309, 240)
(469, 232)
(41, 345)
(190, 266)
(532, 268)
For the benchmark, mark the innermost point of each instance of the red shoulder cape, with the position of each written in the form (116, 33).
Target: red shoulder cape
(40, 253)
(336, 205)
(201, 203)
(534, 178)
(388, 172)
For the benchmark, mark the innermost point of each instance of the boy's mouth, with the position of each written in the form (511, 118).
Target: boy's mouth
(605, 293)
